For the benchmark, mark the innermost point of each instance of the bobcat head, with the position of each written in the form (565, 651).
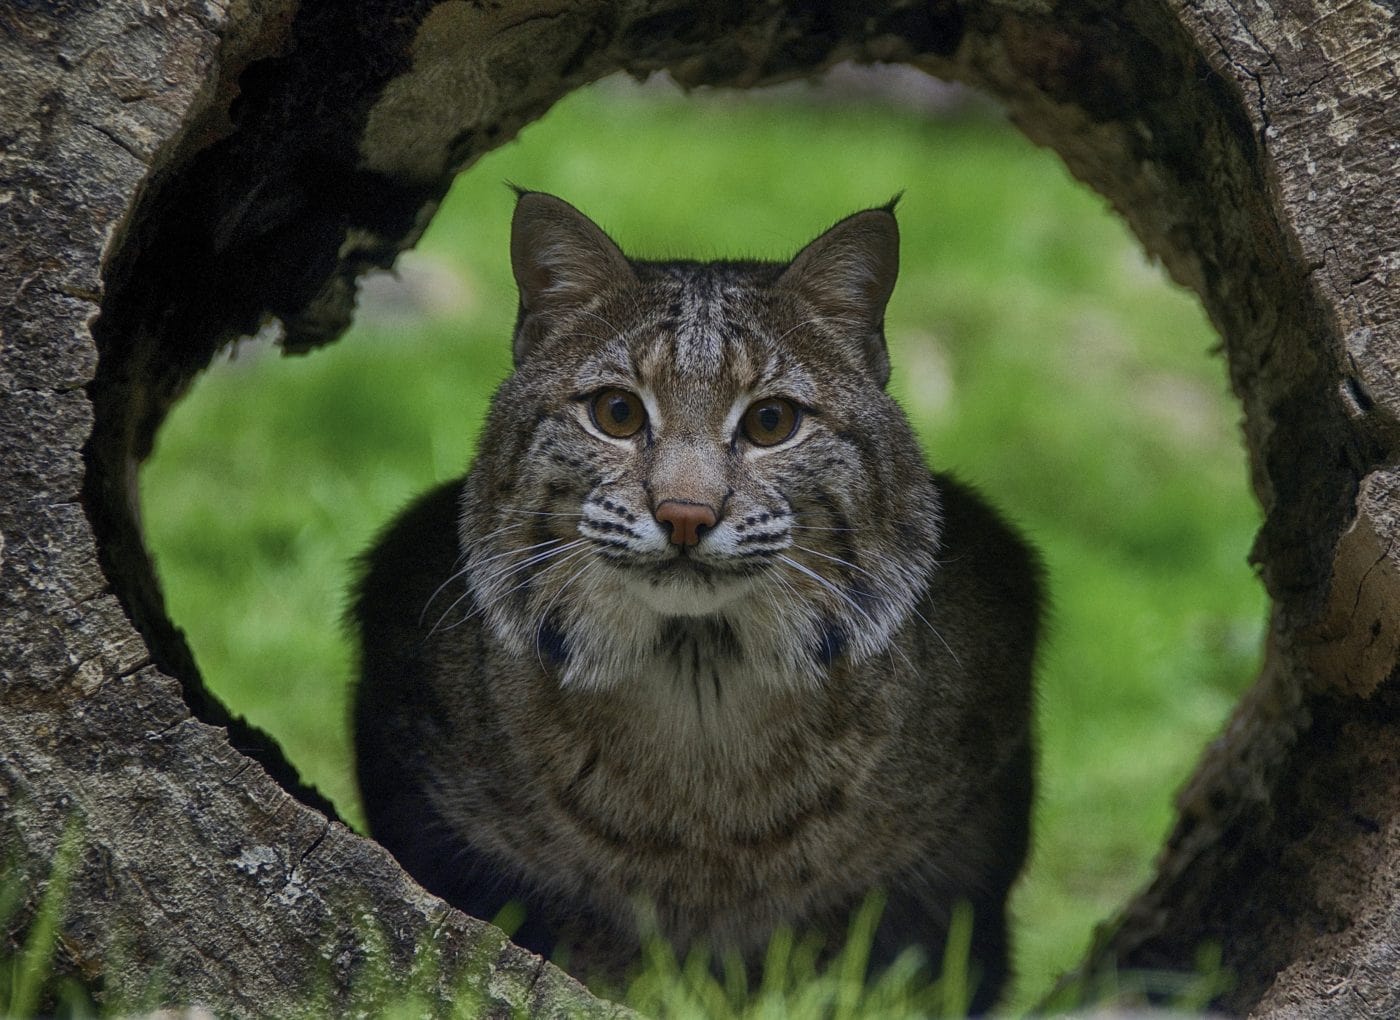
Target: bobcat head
(695, 466)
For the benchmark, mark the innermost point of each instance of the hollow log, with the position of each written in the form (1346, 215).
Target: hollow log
(175, 174)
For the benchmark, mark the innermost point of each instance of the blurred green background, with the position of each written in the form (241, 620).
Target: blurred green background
(1037, 352)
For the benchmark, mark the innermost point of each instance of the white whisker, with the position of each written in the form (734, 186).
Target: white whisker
(534, 513)
(478, 564)
(501, 596)
(508, 571)
(845, 597)
(460, 566)
(588, 564)
(833, 559)
(913, 608)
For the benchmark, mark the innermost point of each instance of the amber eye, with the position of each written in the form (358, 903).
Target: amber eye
(618, 413)
(768, 422)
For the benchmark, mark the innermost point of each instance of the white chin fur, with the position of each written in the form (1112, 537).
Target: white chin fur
(685, 596)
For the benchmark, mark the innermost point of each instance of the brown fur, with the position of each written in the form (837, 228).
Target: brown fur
(829, 694)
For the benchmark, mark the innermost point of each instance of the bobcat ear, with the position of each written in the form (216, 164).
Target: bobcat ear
(559, 256)
(848, 273)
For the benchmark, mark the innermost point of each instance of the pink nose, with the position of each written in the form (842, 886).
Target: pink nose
(687, 521)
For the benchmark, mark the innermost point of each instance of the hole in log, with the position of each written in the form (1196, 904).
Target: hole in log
(1036, 350)
(336, 149)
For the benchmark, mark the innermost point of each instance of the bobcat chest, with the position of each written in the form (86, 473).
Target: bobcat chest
(708, 791)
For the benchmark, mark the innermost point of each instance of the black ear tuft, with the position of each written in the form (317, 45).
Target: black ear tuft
(560, 258)
(848, 274)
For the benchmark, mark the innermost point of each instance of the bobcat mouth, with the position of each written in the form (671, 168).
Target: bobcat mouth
(683, 586)
(682, 565)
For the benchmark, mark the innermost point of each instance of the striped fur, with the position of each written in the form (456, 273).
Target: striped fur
(827, 695)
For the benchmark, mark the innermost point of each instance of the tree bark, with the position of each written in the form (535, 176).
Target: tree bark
(173, 174)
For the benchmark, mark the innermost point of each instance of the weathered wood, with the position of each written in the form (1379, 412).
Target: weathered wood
(173, 174)
(196, 874)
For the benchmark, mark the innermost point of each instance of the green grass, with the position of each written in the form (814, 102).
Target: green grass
(794, 984)
(28, 982)
(1037, 353)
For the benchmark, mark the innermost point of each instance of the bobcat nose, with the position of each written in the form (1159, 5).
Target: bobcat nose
(686, 521)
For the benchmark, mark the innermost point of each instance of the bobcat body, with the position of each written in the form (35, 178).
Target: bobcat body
(699, 643)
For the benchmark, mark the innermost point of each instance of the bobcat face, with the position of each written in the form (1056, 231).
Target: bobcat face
(707, 434)
(697, 457)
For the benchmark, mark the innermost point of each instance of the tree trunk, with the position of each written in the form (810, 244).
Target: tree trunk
(173, 174)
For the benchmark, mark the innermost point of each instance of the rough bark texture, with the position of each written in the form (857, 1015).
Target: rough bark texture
(172, 174)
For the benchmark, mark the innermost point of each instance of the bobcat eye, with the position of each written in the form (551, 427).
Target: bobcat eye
(769, 422)
(618, 413)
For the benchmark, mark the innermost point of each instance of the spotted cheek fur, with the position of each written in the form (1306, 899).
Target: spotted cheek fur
(617, 520)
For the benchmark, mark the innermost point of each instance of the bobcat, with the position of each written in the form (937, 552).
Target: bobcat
(699, 644)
